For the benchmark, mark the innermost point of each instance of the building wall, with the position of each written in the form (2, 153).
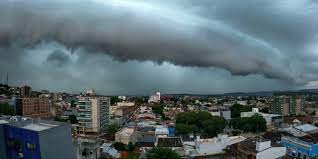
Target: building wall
(297, 147)
(56, 143)
(84, 114)
(2, 144)
(33, 107)
(274, 152)
(17, 141)
(94, 113)
(26, 91)
(87, 148)
(104, 113)
(95, 107)
(288, 105)
(285, 108)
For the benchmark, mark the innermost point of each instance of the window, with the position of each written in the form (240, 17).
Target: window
(10, 143)
(31, 146)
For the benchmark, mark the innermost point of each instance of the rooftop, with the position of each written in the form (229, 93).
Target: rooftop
(250, 144)
(306, 128)
(39, 126)
(126, 131)
(35, 124)
(169, 142)
(3, 122)
(313, 138)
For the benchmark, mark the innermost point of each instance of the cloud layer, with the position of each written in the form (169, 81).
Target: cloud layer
(274, 39)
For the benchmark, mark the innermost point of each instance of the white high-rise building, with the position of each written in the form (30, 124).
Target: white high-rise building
(93, 113)
(154, 98)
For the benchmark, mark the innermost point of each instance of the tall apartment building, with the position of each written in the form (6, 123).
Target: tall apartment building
(25, 91)
(33, 107)
(35, 139)
(285, 105)
(93, 113)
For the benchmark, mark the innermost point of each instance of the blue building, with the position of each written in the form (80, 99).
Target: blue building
(36, 139)
(301, 147)
(2, 141)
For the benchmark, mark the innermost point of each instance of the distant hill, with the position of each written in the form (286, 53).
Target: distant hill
(261, 93)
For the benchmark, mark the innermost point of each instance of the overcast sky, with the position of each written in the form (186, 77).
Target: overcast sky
(142, 46)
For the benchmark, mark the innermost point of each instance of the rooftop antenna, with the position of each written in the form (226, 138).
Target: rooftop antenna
(7, 80)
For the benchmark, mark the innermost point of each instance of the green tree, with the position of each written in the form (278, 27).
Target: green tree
(114, 100)
(174, 99)
(112, 129)
(139, 100)
(212, 127)
(258, 123)
(73, 119)
(162, 153)
(200, 122)
(236, 110)
(119, 146)
(130, 147)
(73, 103)
(6, 109)
(186, 129)
(158, 108)
(189, 118)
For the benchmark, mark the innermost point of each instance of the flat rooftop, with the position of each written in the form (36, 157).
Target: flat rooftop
(39, 126)
(306, 128)
(3, 122)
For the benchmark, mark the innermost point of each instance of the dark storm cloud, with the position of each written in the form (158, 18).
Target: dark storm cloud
(276, 39)
(143, 30)
(58, 58)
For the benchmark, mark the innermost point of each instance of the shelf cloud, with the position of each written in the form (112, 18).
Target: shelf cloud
(275, 39)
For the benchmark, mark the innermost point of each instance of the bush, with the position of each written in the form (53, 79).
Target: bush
(162, 153)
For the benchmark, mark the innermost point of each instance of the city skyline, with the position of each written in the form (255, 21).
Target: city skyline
(139, 47)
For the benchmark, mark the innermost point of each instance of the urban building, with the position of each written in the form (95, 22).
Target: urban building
(33, 107)
(283, 105)
(257, 149)
(161, 131)
(126, 135)
(87, 148)
(35, 139)
(108, 151)
(207, 147)
(2, 141)
(122, 97)
(26, 91)
(271, 119)
(302, 141)
(226, 114)
(93, 113)
(90, 92)
(120, 113)
(154, 98)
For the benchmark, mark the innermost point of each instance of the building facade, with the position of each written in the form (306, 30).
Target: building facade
(284, 105)
(155, 98)
(300, 147)
(271, 119)
(257, 149)
(25, 91)
(93, 113)
(126, 135)
(36, 139)
(33, 107)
